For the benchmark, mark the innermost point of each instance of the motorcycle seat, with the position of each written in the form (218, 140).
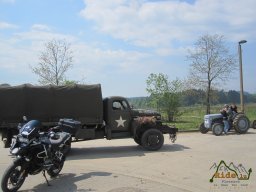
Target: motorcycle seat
(59, 139)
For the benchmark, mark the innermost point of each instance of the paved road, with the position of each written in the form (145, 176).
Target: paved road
(122, 166)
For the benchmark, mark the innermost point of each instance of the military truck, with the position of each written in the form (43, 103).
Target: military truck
(81, 111)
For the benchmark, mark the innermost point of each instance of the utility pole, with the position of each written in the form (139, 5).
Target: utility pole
(241, 74)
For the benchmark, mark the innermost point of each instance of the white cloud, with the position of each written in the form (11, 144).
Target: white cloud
(165, 27)
(41, 33)
(94, 61)
(22, 49)
(96, 64)
(40, 27)
(5, 25)
(159, 24)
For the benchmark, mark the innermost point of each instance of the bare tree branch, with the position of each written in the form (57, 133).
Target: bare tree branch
(211, 63)
(54, 62)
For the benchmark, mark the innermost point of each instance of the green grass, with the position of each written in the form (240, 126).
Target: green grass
(250, 111)
(192, 117)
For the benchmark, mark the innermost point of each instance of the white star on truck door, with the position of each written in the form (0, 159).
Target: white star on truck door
(120, 122)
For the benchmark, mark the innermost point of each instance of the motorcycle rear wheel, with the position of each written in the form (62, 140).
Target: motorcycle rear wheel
(13, 177)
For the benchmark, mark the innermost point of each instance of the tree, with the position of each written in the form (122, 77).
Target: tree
(54, 62)
(164, 94)
(69, 82)
(210, 64)
(192, 97)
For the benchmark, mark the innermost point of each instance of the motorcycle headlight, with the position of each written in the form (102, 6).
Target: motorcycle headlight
(23, 140)
(15, 151)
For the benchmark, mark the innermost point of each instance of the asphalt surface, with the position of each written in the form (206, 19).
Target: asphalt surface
(123, 166)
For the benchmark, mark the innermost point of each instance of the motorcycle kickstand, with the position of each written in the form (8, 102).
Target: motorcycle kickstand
(46, 178)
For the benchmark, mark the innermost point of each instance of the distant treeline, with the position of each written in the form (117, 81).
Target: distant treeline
(197, 97)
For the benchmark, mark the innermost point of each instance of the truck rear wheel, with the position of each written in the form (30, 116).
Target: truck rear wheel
(203, 129)
(152, 139)
(217, 129)
(241, 123)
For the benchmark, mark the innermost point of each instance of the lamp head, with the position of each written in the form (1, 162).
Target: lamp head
(242, 41)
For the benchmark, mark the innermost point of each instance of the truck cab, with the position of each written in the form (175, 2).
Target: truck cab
(144, 126)
(117, 114)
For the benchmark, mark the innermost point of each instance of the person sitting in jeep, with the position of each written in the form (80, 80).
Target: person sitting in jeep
(225, 113)
(233, 108)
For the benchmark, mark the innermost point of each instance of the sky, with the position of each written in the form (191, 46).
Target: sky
(118, 43)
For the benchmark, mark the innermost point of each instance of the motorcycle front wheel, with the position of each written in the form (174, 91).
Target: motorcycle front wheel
(13, 177)
(56, 168)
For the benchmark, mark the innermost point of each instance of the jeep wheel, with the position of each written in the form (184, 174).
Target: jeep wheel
(241, 123)
(152, 139)
(254, 124)
(217, 129)
(203, 129)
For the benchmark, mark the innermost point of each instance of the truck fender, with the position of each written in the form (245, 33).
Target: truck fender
(143, 123)
(135, 126)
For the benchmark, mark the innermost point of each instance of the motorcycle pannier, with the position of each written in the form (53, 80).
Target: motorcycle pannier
(69, 125)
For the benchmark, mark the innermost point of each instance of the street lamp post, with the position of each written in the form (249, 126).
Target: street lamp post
(241, 74)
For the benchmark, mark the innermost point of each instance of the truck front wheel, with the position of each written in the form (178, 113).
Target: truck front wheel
(152, 139)
(137, 140)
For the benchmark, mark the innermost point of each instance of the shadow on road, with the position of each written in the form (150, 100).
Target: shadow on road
(66, 182)
(118, 151)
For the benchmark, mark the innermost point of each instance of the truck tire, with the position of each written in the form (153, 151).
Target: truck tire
(241, 123)
(152, 139)
(254, 124)
(137, 140)
(203, 129)
(217, 129)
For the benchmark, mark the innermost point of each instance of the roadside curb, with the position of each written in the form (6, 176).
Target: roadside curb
(188, 131)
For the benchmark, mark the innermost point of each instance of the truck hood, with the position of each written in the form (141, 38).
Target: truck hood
(143, 112)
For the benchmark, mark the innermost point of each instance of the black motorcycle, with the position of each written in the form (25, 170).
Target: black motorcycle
(34, 152)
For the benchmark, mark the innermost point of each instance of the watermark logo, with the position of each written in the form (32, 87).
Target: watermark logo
(231, 171)
(230, 175)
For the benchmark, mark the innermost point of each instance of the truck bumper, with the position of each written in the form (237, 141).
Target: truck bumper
(173, 137)
(172, 131)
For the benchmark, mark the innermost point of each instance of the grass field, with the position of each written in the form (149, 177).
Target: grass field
(192, 117)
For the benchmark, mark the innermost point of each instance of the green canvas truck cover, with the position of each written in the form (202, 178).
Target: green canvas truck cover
(50, 103)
